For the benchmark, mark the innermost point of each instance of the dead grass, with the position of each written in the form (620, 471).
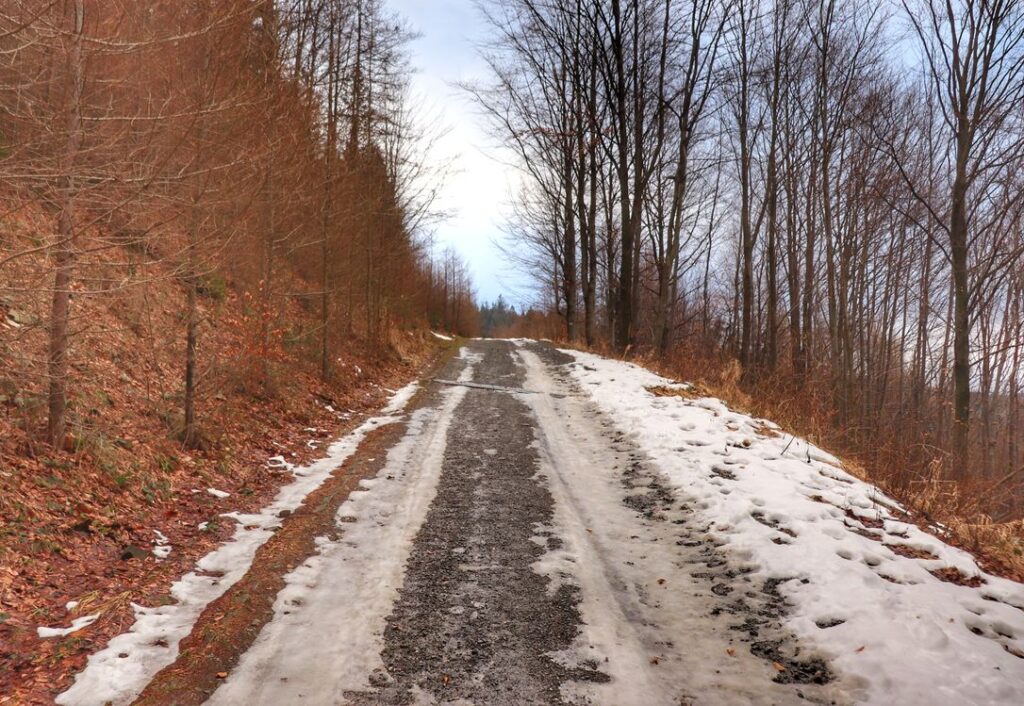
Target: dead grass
(690, 392)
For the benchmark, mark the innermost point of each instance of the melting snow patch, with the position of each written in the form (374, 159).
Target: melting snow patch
(279, 463)
(76, 625)
(896, 609)
(317, 646)
(162, 548)
(217, 493)
(441, 336)
(118, 673)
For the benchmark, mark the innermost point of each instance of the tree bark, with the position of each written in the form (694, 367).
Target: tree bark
(65, 248)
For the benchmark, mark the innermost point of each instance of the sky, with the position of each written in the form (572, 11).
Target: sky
(477, 192)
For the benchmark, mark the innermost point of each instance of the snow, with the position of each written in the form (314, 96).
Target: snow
(786, 509)
(317, 647)
(660, 640)
(441, 336)
(152, 642)
(76, 625)
(162, 546)
(279, 463)
(218, 493)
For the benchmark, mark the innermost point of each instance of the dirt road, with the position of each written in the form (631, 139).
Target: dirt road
(516, 548)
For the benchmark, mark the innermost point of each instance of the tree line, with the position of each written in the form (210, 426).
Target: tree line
(269, 145)
(826, 192)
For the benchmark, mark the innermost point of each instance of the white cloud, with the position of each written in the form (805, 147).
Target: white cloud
(477, 193)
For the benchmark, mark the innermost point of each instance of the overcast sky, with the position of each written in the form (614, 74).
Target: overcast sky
(477, 193)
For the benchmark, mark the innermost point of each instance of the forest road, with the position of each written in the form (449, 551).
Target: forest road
(535, 558)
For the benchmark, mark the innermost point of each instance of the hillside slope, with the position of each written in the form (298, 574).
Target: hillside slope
(123, 508)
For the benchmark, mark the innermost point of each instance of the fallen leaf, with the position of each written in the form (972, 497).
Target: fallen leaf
(778, 667)
(655, 660)
(222, 675)
(730, 651)
(661, 582)
(860, 649)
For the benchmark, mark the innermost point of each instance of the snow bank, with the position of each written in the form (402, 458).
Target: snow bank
(788, 510)
(118, 673)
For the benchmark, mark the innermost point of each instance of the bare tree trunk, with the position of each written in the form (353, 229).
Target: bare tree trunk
(327, 207)
(961, 317)
(65, 248)
(191, 280)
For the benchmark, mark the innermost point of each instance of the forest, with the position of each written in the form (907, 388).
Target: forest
(813, 206)
(216, 224)
(268, 148)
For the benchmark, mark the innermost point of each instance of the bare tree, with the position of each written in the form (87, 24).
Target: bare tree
(973, 55)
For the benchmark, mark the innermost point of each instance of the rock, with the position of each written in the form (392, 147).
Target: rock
(132, 552)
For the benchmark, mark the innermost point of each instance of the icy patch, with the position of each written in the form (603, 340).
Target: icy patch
(152, 642)
(76, 625)
(400, 399)
(863, 595)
